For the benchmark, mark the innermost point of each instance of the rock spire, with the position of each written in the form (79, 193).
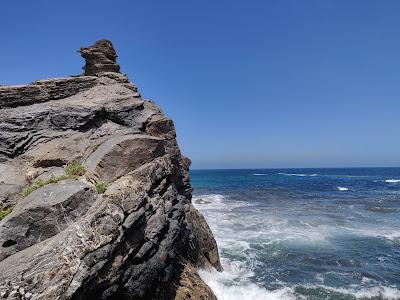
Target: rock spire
(100, 57)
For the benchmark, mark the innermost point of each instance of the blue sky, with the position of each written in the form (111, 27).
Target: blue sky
(249, 84)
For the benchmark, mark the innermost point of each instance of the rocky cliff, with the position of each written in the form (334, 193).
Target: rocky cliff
(95, 196)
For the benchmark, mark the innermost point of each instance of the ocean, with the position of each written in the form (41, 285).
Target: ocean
(303, 233)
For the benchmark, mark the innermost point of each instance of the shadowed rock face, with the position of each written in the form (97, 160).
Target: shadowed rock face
(100, 57)
(142, 238)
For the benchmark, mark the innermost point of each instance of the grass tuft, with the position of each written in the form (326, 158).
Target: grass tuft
(74, 169)
(33, 187)
(5, 212)
(101, 187)
(39, 183)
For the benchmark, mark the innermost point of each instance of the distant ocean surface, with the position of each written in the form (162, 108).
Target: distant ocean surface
(303, 233)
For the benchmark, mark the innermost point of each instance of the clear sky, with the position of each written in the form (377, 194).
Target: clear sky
(249, 84)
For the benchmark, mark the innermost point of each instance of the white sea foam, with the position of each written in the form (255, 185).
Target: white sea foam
(229, 285)
(236, 232)
(384, 292)
(341, 188)
(259, 174)
(392, 180)
(393, 236)
(300, 175)
(216, 201)
(236, 228)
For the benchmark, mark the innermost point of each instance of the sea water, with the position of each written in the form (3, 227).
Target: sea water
(303, 233)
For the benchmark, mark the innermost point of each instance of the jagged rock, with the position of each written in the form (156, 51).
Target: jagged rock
(23, 128)
(141, 238)
(160, 126)
(190, 286)
(100, 57)
(204, 252)
(43, 214)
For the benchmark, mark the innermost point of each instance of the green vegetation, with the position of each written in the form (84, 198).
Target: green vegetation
(39, 183)
(95, 147)
(33, 187)
(4, 212)
(57, 179)
(75, 169)
(101, 187)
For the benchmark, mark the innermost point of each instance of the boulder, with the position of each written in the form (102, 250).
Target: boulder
(43, 214)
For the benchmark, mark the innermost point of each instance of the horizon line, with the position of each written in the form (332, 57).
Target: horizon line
(288, 168)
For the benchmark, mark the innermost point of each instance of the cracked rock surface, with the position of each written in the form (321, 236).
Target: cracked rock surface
(140, 239)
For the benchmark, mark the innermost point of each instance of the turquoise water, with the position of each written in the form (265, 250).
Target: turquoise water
(303, 233)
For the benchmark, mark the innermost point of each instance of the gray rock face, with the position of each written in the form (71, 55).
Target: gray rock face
(100, 57)
(52, 172)
(120, 155)
(44, 90)
(141, 239)
(43, 214)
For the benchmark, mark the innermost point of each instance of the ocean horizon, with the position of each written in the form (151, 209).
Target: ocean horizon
(303, 233)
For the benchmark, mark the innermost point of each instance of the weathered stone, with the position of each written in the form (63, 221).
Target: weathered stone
(160, 126)
(120, 155)
(44, 90)
(24, 128)
(190, 286)
(100, 57)
(52, 172)
(204, 248)
(12, 180)
(44, 213)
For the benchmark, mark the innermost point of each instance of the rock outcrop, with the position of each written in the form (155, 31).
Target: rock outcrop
(100, 57)
(98, 193)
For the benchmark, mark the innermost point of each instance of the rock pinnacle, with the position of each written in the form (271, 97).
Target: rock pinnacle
(100, 57)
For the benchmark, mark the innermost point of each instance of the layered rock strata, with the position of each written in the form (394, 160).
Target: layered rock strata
(100, 57)
(66, 239)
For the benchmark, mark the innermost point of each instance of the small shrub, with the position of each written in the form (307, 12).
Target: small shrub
(75, 169)
(5, 212)
(101, 187)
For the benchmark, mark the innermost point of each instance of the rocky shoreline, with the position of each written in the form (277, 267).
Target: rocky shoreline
(95, 194)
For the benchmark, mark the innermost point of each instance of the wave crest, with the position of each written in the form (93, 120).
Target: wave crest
(392, 180)
(341, 188)
(298, 174)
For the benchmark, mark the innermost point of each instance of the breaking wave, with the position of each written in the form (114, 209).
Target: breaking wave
(392, 180)
(299, 175)
(341, 188)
